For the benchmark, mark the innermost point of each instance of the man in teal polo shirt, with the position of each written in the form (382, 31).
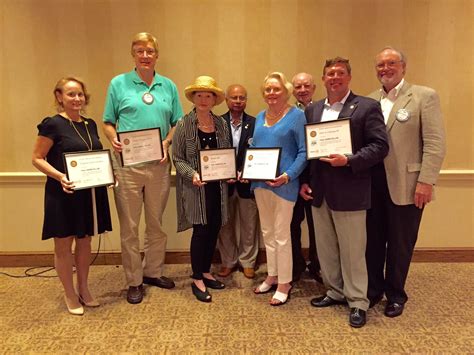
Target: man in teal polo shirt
(138, 100)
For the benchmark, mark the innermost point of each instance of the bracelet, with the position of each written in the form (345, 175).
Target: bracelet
(287, 178)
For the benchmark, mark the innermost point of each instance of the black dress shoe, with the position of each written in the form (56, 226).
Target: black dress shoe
(214, 284)
(357, 318)
(135, 294)
(394, 309)
(325, 301)
(203, 296)
(375, 300)
(162, 282)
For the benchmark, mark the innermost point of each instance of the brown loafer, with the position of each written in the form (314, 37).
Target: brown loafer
(225, 271)
(249, 272)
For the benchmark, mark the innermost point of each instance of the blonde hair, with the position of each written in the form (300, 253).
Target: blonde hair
(281, 79)
(144, 37)
(59, 89)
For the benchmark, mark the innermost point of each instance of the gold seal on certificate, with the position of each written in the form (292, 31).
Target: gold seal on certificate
(261, 163)
(140, 146)
(330, 137)
(89, 169)
(217, 164)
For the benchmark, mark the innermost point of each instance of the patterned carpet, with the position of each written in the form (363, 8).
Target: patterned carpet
(439, 317)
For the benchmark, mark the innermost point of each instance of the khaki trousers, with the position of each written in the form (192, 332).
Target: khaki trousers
(243, 218)
(341, 238)
(146, 186)
(275, 218)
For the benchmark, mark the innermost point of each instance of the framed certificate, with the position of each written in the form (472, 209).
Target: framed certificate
(217, 164)
(140, 146)
(89, 169)
(261, 163)
(331, 137)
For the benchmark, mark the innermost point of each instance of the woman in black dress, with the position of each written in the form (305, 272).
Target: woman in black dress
(201, 205)
(68, 214)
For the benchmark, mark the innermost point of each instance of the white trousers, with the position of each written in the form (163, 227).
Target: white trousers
(275, 218)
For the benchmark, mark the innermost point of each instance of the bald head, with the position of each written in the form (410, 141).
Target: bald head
(304, 87)
(236, 99)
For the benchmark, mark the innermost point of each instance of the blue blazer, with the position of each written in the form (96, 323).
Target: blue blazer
(248, 126)
(348, 188)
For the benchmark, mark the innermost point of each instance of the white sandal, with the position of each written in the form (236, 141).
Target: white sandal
(281, 297)
(264, 288)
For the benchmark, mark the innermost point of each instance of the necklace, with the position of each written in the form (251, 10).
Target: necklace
(209, 126)
(89, 147)
(269, 116)
(272, 119)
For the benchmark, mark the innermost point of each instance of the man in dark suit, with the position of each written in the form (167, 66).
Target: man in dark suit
(403, 183)
(243, 214)
(340, 188)
(303, 90)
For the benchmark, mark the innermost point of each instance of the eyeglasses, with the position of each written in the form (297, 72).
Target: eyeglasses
(389, 64)
(141, 51)
(238, 98)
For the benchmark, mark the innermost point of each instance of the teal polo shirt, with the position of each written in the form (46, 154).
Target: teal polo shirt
(124, 106)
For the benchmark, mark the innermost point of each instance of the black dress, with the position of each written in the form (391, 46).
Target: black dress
(71, 214)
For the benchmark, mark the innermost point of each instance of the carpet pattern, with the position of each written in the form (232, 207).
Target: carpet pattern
(438, 318)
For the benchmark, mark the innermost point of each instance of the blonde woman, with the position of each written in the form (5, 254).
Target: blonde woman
(280, 125)
(68, 215)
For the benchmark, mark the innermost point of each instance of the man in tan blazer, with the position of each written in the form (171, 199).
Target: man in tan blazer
(403, 184)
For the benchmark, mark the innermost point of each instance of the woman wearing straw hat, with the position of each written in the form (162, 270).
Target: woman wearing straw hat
(201, 205)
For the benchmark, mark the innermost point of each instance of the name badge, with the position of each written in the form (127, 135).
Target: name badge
(148, 98)
(402, 115)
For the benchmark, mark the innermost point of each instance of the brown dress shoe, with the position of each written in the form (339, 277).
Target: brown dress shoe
(225, 271)
(249, 272)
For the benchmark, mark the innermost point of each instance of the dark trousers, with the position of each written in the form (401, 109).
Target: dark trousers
(301, 208)
(392, 232)
(204, 237)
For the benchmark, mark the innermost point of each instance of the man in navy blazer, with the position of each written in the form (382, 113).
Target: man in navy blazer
(243, 213)
(340, 187)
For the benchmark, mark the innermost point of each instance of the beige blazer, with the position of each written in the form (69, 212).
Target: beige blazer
(417, 141)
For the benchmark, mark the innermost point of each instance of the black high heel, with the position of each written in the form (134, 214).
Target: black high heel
(203, 296)
(214, 284)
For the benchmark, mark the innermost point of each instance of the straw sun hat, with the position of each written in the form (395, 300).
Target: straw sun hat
(204, 83)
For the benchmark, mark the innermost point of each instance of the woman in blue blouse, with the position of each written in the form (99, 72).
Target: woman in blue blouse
(280, 125)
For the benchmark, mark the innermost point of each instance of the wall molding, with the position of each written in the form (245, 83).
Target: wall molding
(438, 255)
(37, 177)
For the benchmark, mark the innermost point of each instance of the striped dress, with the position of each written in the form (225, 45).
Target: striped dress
(190, 199)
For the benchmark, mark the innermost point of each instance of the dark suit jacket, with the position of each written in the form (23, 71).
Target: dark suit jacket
(348, 188)
(248, 126)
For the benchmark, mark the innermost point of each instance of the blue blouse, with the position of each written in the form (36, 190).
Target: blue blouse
(288, 133)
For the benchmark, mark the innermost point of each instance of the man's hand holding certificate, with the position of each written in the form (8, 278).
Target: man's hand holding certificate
(329, 139)
(141, 146)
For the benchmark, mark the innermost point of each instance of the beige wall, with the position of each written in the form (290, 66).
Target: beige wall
(234, 41)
